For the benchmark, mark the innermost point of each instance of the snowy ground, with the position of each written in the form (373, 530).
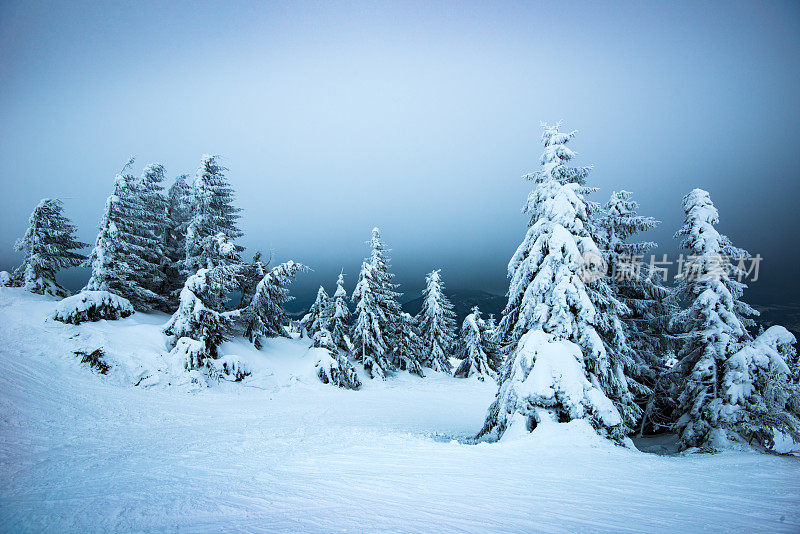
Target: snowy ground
(282, 452)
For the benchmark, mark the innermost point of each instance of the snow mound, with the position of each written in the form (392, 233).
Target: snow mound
(5, 279)
(92, 306)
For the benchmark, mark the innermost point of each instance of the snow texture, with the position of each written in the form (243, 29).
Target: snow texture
(281, 452)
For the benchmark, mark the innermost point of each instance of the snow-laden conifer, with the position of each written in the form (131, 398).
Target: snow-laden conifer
(369, 339)
(250, 274)
(198, 327)
(650, 304)
(49, 245)
(340, 322)
(121, 259)
(265, 316)
(319, 315)
(386, 289)
(178, 214)
(152, 228)
(548, 298)
(474, 348)
(332, 365)
(714, 327)
(213, 212)
(436, 324)
(407, 351)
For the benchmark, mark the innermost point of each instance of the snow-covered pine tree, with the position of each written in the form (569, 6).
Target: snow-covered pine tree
(152, 229)
(121, 259)
(370, 345)
(177, 220)
(436, 324)
(473, 346)
(251, 273)
(196, 329)
(387, 301)
(340, 322)
(319, 315)
(649, 303)
(761, 395)
(549, 322)
(265, 316)
(212, 213)
(714, 325)
(49, 245)
(332, 365)
(407, 351)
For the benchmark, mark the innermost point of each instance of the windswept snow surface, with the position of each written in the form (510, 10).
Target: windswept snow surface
(278, 452)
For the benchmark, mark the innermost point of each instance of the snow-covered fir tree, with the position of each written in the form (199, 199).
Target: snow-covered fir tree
(122, 258)
(650, 304)
(332, 365)
(717, 397)
(407, 351)
(250, 274)
(549, 322)
(387, 300)
(319, 315)
(340, 322)
(49, 245)
(265, 316)
(370, 345)
(436, 324)
(152, 229)
(474, 348)
(198, 327)
(212, 213)
(178, 214)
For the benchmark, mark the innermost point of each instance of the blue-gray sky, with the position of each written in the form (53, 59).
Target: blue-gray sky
(416, 117)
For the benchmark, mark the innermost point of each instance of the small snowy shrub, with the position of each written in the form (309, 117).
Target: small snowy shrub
(95, 359)
(5, 279)
(229, 367)
(333, 367)
(92, 306)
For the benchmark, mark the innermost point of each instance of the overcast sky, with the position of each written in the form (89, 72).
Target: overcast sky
(419, 118)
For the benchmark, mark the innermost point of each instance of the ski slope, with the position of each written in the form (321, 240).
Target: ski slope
(281, 452)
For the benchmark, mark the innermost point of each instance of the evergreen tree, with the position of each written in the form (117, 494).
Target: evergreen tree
(332, 366)
(387, 296)
(407, 351)
(196, 329)
(550, 321)
(152, 229)
(474, 350)
(250, 275)
(265, 316)
(370, 346)
(649, 303)
(49, 245)
(319, 315)
(178, 214)
(121, 259)
(341, 318)
(212, 213)
(714, 325)
(437, 324)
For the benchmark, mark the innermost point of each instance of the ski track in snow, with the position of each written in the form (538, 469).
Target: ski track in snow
(281, 452)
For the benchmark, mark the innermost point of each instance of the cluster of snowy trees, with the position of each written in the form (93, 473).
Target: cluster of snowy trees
(628, 354)
(381, 337)
(602, 349)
